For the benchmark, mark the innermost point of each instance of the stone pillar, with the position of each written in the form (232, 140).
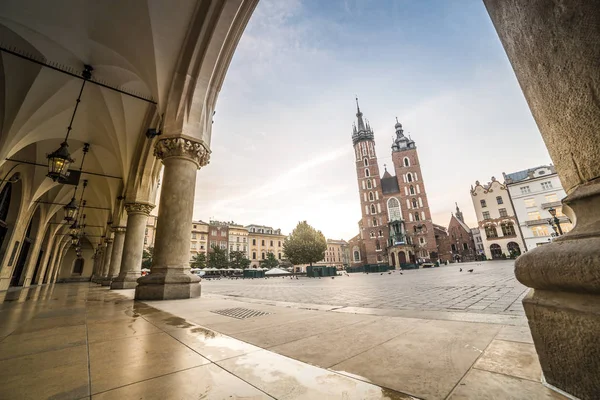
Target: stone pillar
(117, 252)
(133, 247)
(554, 48)
(44, 263)
(61, 255)
(106, 280)
(97, 277)
(170, 276)
(52, 265)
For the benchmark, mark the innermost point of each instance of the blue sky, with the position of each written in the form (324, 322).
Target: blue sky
(281, 138)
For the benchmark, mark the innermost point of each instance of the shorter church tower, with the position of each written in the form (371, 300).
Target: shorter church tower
(415, 206)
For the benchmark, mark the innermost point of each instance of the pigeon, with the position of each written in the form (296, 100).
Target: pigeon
(470, 270)
(389, 273)
(401, 273)
(461, 270)
(381, 273)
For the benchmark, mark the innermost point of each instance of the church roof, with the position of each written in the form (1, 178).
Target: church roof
(462, 224)
(386, 175)
(389, 184)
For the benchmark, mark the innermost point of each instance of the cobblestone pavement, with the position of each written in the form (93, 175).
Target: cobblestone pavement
(490, 289)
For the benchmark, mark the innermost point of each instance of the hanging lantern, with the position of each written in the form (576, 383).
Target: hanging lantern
(75, 240)
(74, 228)
(70, 210)
(59, 162)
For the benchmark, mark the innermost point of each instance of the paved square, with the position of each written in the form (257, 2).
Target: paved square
(490, 289)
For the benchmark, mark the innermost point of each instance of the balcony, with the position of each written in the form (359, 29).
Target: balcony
(551, 204)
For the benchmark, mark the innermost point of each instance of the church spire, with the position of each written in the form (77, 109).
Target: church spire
(459, 214)
(362, 130)
(359, 115)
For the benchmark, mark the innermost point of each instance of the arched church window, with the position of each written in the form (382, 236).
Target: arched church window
(415, 228)
(366, 162)
(356, 255)
(371, 234)
(367, 173)
(417, 218)
(374, 221)
(371, 197)
(409, 177)
(394, 209)
(377, 245)
(412, 189)
(414, 203)
(369, 186)
(380, 233)
(373, 211)
(406, 162)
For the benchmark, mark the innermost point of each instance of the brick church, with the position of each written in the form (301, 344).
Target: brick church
(396, 226)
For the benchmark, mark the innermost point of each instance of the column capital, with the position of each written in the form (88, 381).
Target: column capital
(197, 152)
(108, 241)
(119, 229)
(139, 208)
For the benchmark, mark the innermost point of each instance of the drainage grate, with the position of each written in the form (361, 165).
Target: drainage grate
(240, 313)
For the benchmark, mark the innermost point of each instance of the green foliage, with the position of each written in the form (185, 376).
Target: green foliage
(270, 261)
(147, 257)
(305, 245)
(239, 260)
(218, 258)
(199, 261)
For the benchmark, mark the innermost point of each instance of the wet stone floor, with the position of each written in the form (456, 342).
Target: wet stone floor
(83, 341)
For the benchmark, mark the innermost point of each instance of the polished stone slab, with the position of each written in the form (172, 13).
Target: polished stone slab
(284, 378)
(515, 334)
(120, 328)
(204, 382)
(59, 374)
(132, 359)
(427, 361)
(38, 341)
(483, 385)
(511, 358)
(322, 351)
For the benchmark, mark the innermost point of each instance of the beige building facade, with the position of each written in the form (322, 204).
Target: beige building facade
(150, 231)
(337, 254)
(238, 239)
(497, 220)
(198, 238)
(264, 240)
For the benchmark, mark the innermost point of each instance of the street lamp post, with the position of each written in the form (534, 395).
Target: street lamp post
(555, 219)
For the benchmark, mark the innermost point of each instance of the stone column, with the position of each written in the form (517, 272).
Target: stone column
(106, 280)
(97, 277)
(117, 252)
(554, 48)
(133, 247)
(170, 276)
(52, 265)
(44, 263)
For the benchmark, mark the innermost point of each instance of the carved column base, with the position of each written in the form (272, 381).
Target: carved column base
(565, 327)
(563, 310)
(106, 282)
(167, 285)
(127, 280)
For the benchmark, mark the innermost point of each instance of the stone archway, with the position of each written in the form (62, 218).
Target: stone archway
(514, 250)
(401, 257)
(496, 251)
(393, 257)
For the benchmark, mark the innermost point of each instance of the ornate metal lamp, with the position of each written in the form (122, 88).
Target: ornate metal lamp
(60, 159)
(71, 208)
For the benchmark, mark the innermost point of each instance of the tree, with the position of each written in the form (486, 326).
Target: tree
(305, 245)
(270, 261)
(147, 257)
(239, 260)
(217, 258)
(199, 261)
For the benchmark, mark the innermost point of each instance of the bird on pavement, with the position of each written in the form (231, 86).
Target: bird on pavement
(470, 270)
(401, 273)
(461, 270)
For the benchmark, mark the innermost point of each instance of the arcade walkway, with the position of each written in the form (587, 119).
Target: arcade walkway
(75, 341)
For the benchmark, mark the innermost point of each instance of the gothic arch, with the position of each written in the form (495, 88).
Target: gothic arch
(394, 209)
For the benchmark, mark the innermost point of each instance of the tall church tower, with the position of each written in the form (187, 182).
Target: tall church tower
(374, 232)
(415, 206)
